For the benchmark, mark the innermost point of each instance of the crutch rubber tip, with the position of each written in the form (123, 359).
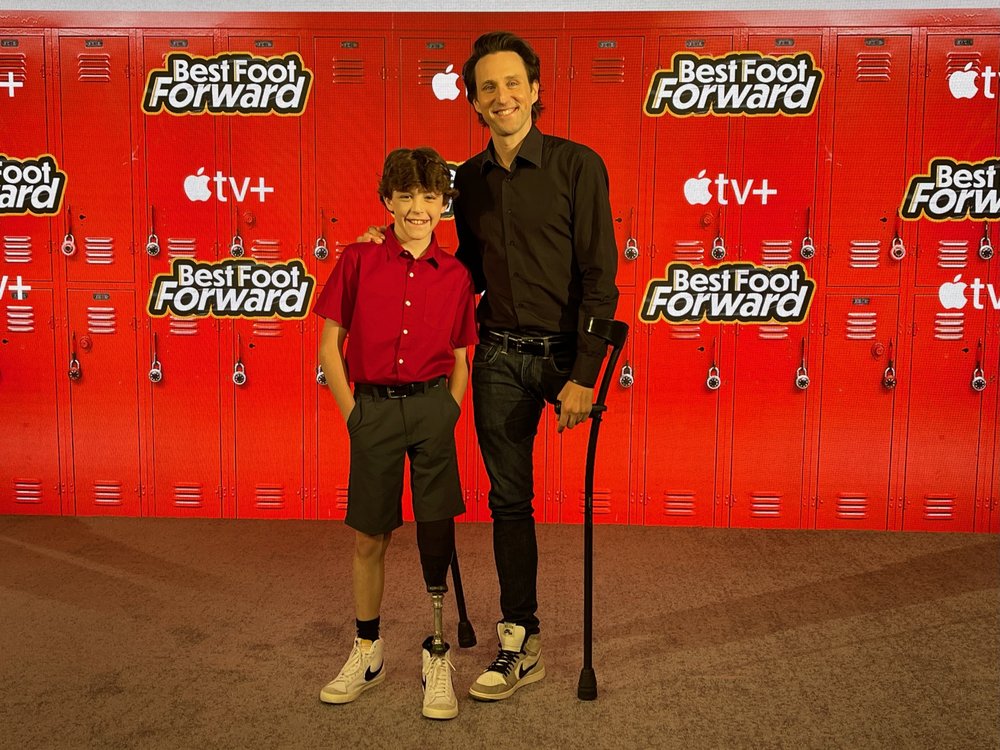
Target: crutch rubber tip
(586, 689)
(466, 635)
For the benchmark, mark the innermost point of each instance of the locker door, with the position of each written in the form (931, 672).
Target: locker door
(29, 442)
(97, 156)
(266, 154)
(104, 404)
(943, 431)
(768, 427)
(682, 413)
(606, 77)
(613, 465)
(349, 77)
(23, 122)
(856, 412)
(872, 85)
(961, 128)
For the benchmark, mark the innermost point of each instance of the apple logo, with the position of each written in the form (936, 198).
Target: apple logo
(444, 86)
(196, 187)
(696, 190)
(952, 294)
(962, 84)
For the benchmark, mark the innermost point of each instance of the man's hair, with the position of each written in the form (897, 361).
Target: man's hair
(502, 41)
(405, 168)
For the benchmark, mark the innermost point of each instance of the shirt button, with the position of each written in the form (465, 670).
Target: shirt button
(405, 331)
(411, 274)
(407, 303)
(400, 361)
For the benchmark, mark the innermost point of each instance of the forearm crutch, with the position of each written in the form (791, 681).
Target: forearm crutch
(466, 633)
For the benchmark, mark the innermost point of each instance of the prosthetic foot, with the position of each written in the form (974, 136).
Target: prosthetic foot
(439, 694)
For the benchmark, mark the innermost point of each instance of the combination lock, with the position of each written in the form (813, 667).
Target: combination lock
(808, 250)
(978, 380)
(626, 380)
(75, 372)
(239, 374)
(153, 245)
(898, 250)
(631, 251)
(801, 379)
(68, 245)
(155, 372)
(236, 249)
(718, 249)
(985, 249)
(714, 381)
(321, 251)
(320, 375)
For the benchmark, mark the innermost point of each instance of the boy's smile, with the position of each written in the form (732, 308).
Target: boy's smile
(416, 212)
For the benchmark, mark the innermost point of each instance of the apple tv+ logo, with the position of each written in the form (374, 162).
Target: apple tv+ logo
(698, 191)
(445, 86)
(963, 84)
(951, 294)
(196, 187)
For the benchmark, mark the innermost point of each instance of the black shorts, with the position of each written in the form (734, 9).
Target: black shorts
(383, 432)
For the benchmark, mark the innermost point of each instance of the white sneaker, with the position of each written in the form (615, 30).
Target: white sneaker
(518, 662)
(439, 694)
(365, 668)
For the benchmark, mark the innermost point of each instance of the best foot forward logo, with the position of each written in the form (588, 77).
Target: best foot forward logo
(739, 83)
(196, 187)
(963, 83)
(729, 293)
(951, 294)
(698, 192)
(954, 190)
(240, 288)
(33, 186)
(228, 84)
(444, 85)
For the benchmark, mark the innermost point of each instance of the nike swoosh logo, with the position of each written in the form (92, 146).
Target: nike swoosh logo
(369, 675)
(521, 671)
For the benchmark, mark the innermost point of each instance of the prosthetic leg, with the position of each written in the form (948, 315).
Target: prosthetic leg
(436, 542)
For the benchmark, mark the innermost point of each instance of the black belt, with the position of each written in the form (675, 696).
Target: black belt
(540, 346)
(400, 390)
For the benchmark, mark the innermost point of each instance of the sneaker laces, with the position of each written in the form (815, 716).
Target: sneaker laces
(504, 662)
(353, 665)
(437, 678)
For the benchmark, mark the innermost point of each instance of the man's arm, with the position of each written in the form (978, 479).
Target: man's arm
(331, 358)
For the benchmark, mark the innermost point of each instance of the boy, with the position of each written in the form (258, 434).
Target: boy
(410, 310)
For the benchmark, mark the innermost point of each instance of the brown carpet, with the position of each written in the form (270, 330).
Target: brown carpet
(158, 633)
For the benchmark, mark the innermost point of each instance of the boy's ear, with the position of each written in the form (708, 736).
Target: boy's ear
(385, 202)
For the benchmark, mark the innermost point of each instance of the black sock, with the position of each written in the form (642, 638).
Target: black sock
(368, 629)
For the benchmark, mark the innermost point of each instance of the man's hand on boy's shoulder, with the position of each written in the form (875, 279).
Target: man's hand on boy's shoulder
(374, 234)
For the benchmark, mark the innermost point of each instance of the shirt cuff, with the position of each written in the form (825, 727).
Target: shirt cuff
(585, 370)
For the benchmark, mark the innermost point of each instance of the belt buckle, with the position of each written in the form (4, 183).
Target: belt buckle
(397, 391)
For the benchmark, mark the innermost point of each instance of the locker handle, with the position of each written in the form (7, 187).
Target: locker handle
(155, 369)
(802, 374)
(978, 376)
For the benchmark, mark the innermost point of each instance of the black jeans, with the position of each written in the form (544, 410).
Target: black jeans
(509, 392)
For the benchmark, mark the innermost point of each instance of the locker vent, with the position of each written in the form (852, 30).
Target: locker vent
(958, 61)
(92, 68)
(27, 491)
(268, 251)
(181, 247)
(99, 251)
(949, 326)
(861, 326)
(188, 495)
(852, 506)
(270, 497)
(939, 507)
(676, 504)
(776, 252)
(341, 498)
(183, 326)
(16, 249)
(101, 320)
(602, 502)
(349, 71)
(765, 505)
(864, 253)
(107, 493)
(692, 251)
(20, 319)
(772, 332)
(270, 329)
(873, 66)
(607, 70)
(15, 63)
(953, 254)
(427, 69)
(685, 331)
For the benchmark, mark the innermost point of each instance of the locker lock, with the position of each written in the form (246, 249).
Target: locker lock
(69, 245)
(631, 251)
(718, 249)
(236, 248)
(978, 380)
(898, 250)
(321, 251)
(75, 371)
(985, 248)
(320, 375)
(808, 250)
(239, 374)
(155, 372)
(153, 245)
(714, 381)
(801, 379)
(889, 377)
(626, 380)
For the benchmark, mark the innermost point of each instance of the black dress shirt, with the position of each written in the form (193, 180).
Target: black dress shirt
(539, 240)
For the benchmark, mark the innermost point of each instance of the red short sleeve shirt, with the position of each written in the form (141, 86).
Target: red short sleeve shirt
(404, 315)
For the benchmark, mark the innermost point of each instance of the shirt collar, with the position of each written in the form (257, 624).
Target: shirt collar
(393, 249)
(530, 151)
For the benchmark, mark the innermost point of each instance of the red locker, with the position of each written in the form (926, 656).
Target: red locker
(96, 117)
(944, 427)
(606, 77)
(867, 240)
(104, 404)
(860, 352)
(960, 123)
(350, 76)
(29, 444)
(26, 239)
(334, 448)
